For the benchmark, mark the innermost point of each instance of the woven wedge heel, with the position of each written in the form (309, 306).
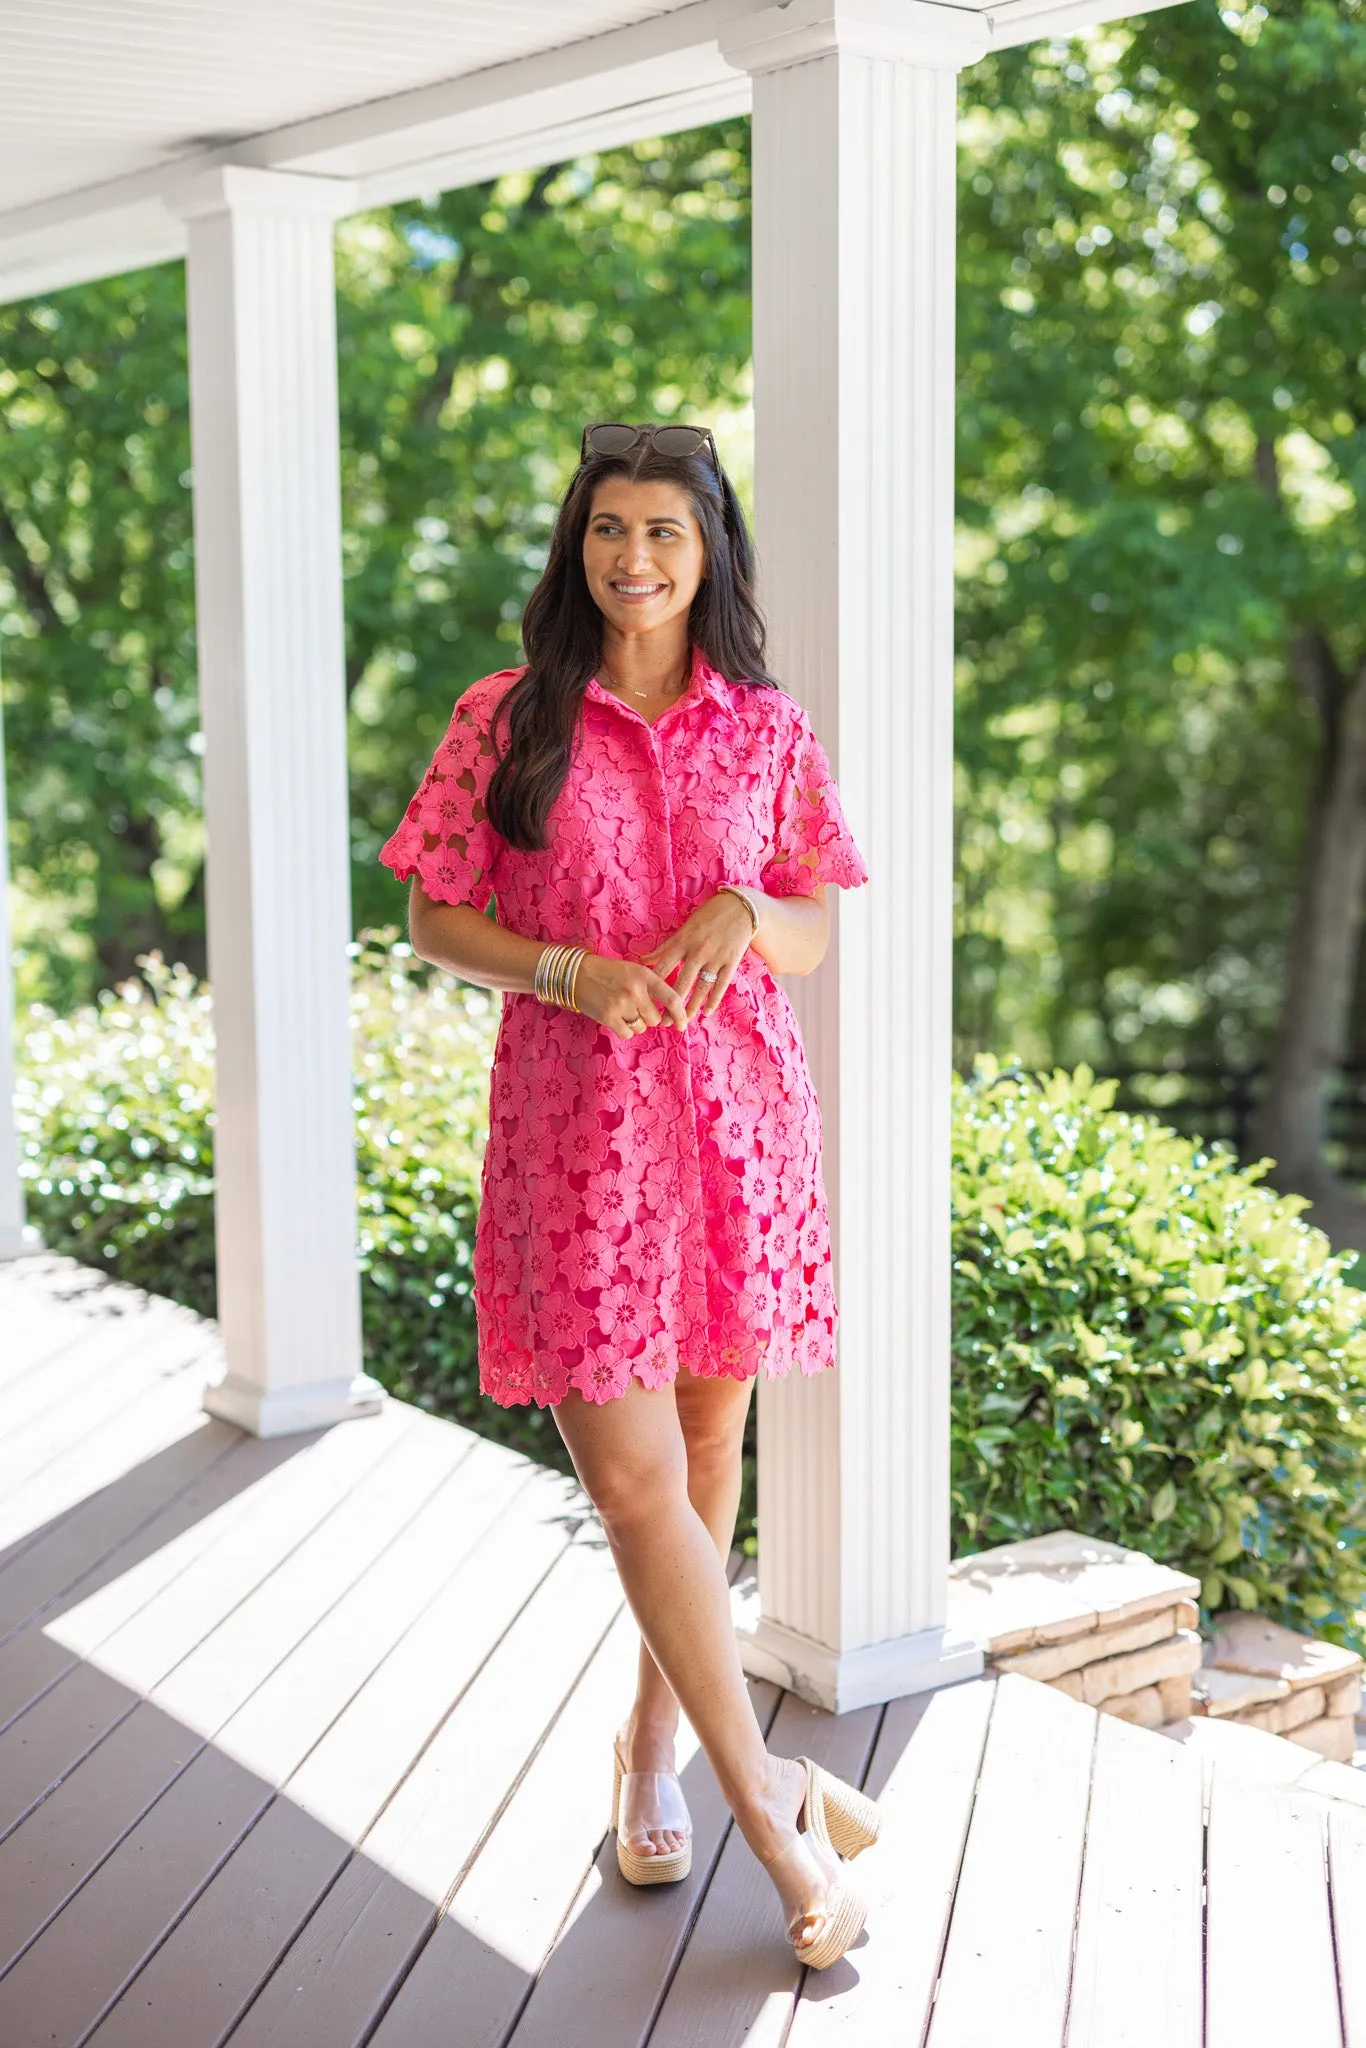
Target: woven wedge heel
(813, 1854)
(668, 1869)
(852, 1820)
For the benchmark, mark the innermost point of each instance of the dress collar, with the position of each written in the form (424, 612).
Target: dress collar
(704, 682)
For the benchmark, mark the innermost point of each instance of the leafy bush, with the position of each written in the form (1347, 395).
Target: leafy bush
(1148, 1345)
(116, 1131)
(115, 1114)
(1151, 1347)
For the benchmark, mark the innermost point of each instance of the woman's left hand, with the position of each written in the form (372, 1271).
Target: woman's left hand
(706, 951)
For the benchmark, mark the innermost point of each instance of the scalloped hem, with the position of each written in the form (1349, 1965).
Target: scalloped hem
(837, 872)
(518, 1390)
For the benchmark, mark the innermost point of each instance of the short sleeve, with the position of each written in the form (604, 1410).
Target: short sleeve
(812, 842)
(446, 840)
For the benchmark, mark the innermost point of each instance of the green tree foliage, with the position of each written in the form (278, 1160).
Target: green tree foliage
(97, 619)
(1161, 462)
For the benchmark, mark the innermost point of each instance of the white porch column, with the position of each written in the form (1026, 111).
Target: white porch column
(11, 1188)
(263, 402)
(854, 203)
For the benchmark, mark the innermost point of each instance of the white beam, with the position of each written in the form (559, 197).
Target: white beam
(854, 198)
(650, 78)
(263, 416)
(642, 67)
(11, 1188)
(1028, 21)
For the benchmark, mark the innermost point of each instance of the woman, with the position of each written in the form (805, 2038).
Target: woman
(658, 826)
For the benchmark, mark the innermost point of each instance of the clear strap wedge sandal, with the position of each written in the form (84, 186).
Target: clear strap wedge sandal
(812, 1862)
(642, 1802)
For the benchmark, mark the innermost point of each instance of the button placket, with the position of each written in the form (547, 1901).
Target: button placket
(666, 808)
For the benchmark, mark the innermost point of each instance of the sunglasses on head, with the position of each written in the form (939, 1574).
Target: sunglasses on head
(615, 437)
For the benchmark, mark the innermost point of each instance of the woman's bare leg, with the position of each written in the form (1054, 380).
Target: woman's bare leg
(712, 1415)
(632, 1460)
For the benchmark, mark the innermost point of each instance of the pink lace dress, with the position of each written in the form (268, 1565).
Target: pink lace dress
(654, 1203)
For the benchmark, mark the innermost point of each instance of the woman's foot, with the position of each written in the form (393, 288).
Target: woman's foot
(806, 1877)
(823, 1910)
(652, 1818)
(775, 1829)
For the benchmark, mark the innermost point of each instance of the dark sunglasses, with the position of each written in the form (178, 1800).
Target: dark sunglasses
(615, 437)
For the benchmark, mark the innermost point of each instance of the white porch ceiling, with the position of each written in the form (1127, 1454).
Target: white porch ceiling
(111, 106)
(98, 89)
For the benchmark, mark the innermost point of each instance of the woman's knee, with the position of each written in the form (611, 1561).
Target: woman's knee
(632, 1466)
(643, 1491)
(713, 1426)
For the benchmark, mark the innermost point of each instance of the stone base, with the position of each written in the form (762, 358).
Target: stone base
(1143, 1708)
(1152, 1706)
(287, 1411)
(1333, 1737)
(1257, 1674)
(1061, 1589)
(841, 1680)
(1112, 1629)
(1105, 1625)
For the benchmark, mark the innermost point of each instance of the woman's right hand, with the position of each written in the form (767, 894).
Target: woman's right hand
(626, 997)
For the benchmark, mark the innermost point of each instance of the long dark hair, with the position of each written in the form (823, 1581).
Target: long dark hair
(562, 633)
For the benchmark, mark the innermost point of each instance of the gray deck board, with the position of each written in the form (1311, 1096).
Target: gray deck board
(231, 1935)
(923, 1774)
(610, 1970)
(70, 1554)
(308, 1745)
(738, 1979)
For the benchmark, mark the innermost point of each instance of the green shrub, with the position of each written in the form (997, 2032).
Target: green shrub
(115, 1114)
(1151, 1347)
(116, 1132)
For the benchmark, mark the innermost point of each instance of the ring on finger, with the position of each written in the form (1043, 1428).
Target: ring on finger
(708, 974)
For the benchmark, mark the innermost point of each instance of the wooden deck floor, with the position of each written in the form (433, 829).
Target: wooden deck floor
(307, 1744)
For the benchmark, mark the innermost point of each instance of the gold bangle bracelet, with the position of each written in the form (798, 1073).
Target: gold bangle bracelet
(546, 969)
(579, 959)
(557, 973)
(734, 889)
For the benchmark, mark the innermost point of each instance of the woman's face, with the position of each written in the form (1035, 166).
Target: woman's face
(643, 554)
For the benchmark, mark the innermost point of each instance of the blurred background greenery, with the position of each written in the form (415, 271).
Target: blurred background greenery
(1162, 457)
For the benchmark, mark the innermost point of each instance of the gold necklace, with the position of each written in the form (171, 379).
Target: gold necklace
(674, 688)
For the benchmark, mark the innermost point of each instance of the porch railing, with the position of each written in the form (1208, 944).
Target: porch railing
(1207, 1100)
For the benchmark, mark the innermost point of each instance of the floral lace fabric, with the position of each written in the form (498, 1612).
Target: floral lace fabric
(652, 1204)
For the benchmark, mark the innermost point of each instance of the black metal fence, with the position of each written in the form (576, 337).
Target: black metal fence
(1210, 1101)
